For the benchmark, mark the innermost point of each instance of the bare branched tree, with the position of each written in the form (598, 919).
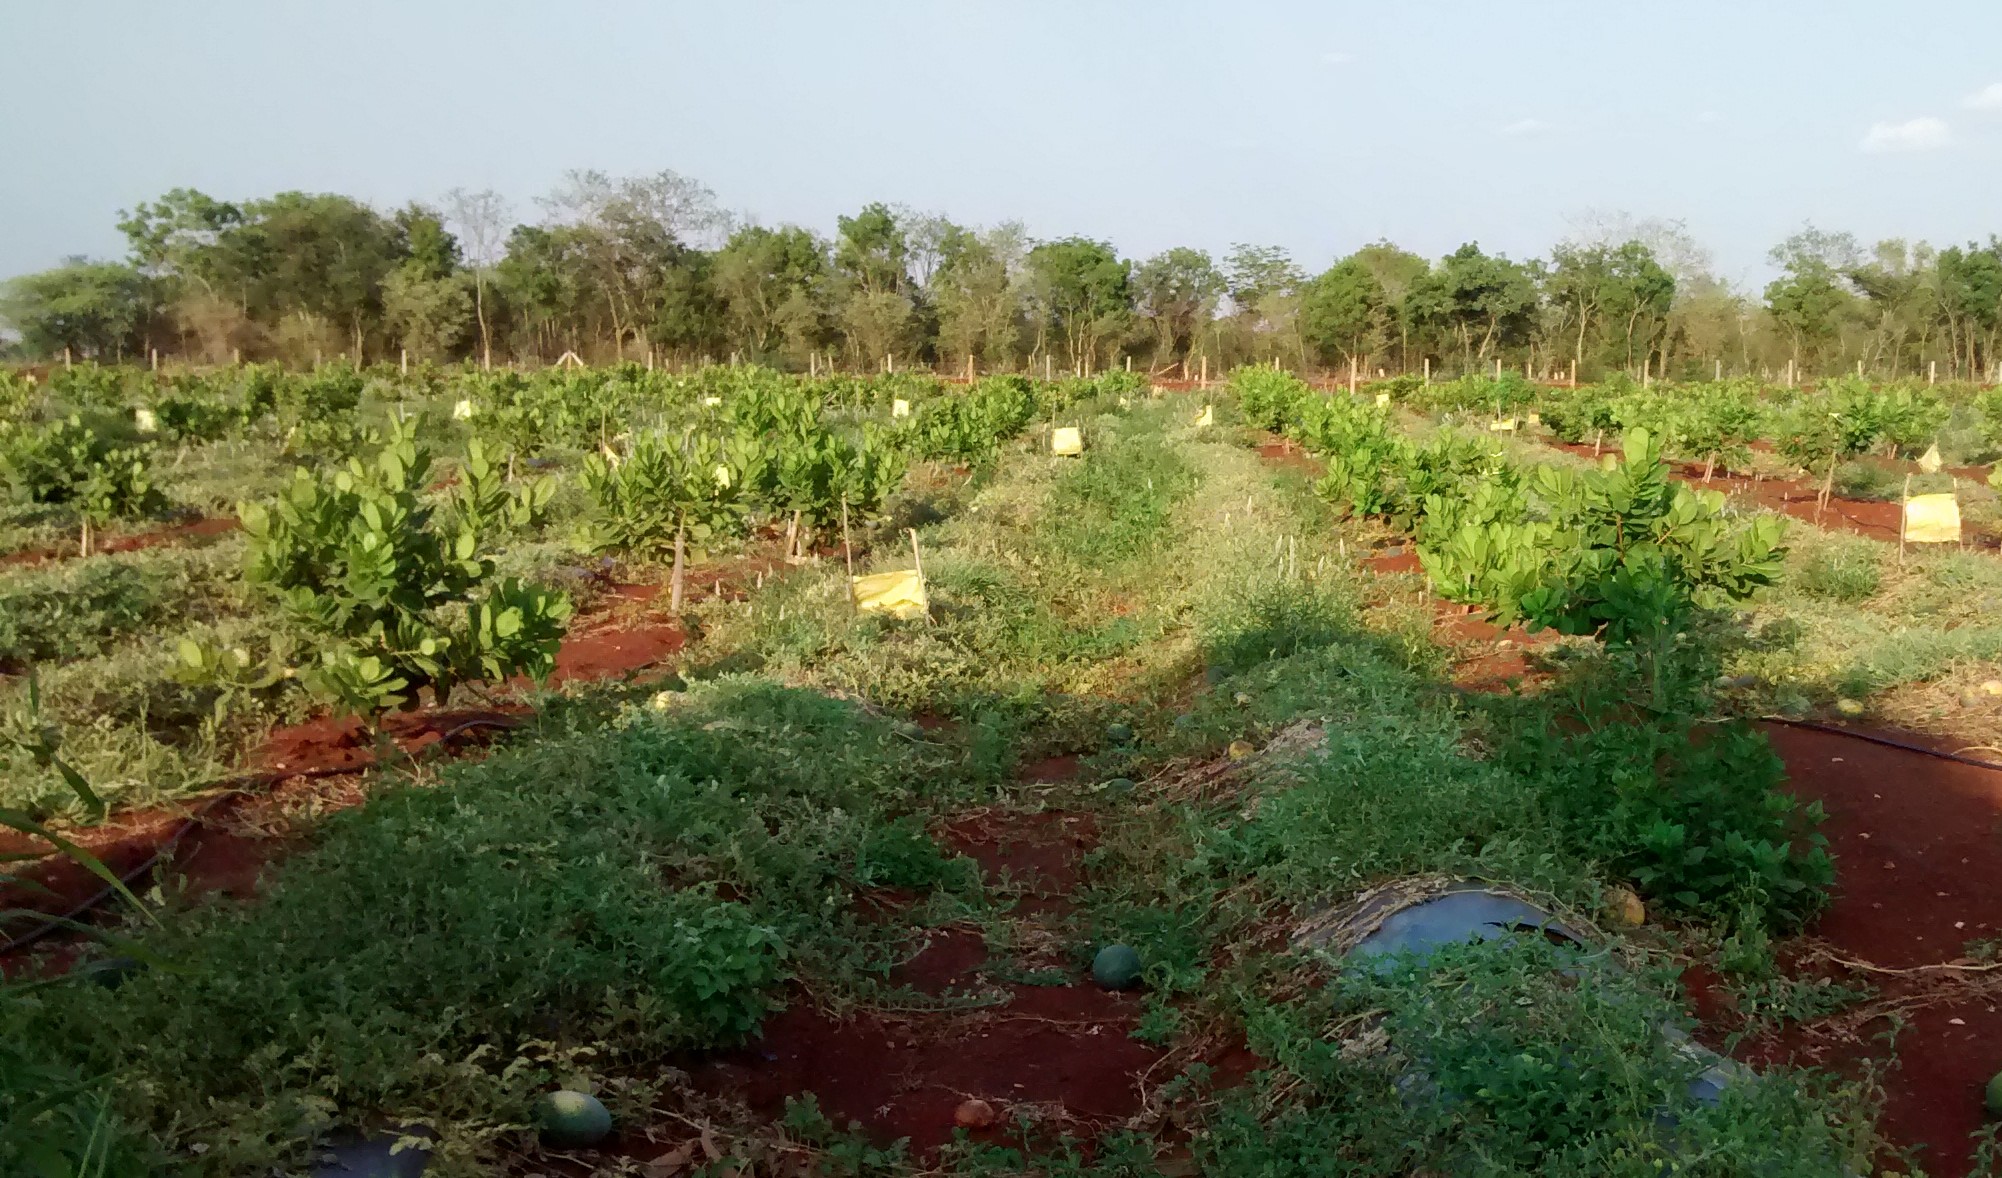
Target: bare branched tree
(480, 220)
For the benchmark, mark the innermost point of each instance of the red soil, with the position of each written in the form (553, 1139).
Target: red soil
(201, 529)
(1040, 853)
(1059, 1053)
(1919, 876)
(1053, 768)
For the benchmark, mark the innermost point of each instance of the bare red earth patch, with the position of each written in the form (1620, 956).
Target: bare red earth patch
(1059, 1053)
(615, 651)
(1919, 876)
(1040, 852)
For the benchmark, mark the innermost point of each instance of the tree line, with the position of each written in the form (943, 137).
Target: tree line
(652, 267)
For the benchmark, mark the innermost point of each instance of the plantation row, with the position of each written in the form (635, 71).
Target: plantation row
(1621, 554)
(1717, 423)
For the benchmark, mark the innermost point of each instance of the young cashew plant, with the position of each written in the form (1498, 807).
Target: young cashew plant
(391, 599)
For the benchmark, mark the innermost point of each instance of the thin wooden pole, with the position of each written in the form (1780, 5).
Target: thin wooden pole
(847, 550)
(1428, 370)
(918, 562)
(1904, 515)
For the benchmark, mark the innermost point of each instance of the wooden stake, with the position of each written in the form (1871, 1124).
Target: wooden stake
(1352, 375)
(918, 563)
(1574, 372)
(66, 358)
(1904, 513)
(1206, 370)
(404, 362)
(1720, 371)
(1428, 370)
(847, 550)
(1932, 372)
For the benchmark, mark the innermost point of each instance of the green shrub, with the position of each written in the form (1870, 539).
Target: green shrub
(1694, 814)
(393, 602)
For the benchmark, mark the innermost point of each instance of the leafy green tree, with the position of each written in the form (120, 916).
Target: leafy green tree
(1610, 295)
(1397, 272)
(317, 256)
(1178, 293)
(626, 236)
(1255, 273)
(1812, 300)
(1970, 293)
(1346, 312)
(1082, 291)
(94, 309)
(1480, 302)
(977, 293)
(774, 285)
(872, 258)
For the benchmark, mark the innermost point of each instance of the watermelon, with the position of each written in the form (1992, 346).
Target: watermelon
(1116, 967)
(1119, 733)
(1118, 787)
(568, 1119)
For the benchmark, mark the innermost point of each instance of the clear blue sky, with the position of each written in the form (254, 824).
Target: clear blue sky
(1317, 126)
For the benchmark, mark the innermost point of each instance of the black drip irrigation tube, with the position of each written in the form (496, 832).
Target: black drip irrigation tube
(226, 789)
(1887, 741)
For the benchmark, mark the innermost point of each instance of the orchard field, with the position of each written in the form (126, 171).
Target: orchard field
(386, 749)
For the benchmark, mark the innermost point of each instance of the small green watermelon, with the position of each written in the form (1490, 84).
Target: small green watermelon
(1119, 733)
(568, 1119)
(1118, 787)
(1994, 1100)
(1116, 967)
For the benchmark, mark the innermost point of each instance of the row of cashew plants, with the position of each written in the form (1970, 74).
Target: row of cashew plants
(393, 587)
(1621, 552)
(1718, 423)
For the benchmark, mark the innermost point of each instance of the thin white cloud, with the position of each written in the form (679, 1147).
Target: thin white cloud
(1337, 57)
(1526, 127)
(1924, 133)
(1989, 97)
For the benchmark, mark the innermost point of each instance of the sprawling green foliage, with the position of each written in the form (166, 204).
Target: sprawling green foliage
(392, 602)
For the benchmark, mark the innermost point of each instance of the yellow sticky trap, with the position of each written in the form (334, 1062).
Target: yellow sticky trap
(1932, 519)
(900, 594)
(1382, 400)
(900, 408)
(1502, 425)
(1066, 440)
(1533, 419)
(462, 411)
(1207, 416)
(1930, 461)
(146, 421)
(712, 402)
